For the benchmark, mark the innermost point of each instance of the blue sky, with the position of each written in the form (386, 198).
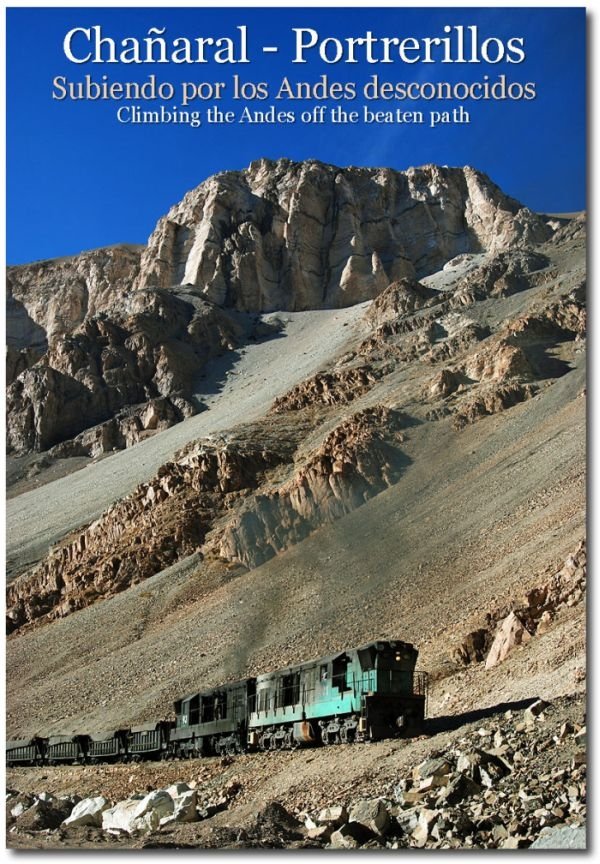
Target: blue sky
(77, 179)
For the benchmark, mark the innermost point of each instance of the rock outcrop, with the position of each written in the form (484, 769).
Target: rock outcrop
(338, 387)
(399, 299)
(509, 626)
(288, 235)
(153, 345)
(197, 503)
(159, 523)
(358, 459)
(49, 299)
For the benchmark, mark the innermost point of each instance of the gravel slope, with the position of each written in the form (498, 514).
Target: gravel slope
(238, 391)
(474, 519)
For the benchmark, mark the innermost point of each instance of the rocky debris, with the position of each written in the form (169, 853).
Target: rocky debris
(482, 792)
(272, 827)
(152, 345)
(357, 460)
(399, 299)
(288, 235)
(139, 814)
(496, 783)
(515, 624)
(87, 812)
(45, 812)
(328, 388)
(157, 524)
(508, 272)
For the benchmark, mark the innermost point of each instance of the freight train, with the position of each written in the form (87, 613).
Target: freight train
(360, 694)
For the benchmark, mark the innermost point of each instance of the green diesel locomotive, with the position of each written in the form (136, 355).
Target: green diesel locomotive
(359, 694)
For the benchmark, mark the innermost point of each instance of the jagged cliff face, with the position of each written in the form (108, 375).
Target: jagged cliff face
(49, 299)
(286, 235)
(95, 338)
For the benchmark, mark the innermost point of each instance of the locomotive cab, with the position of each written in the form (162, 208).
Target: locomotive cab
(394, 694)
(213, 721)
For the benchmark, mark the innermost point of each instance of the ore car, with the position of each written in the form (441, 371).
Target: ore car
(107, 746)
(149, 741)
(361, 693)
(29, 751)
(66, 748)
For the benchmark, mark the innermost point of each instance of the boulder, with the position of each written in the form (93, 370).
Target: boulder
(336, 815)
(154, 809)
(320, 832)
(437, 767)
(350, 836)
(121, 816)
(561, 837)
(512, 632)
(17, 804)
(372, 814)
(185, 809)
(426, 821)
(88, 812)
(458, 789)
(176, 790)
(534, 710)
(45, 815)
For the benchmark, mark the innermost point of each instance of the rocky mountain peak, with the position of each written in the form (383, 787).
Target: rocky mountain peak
(112, 329)
(307, 235)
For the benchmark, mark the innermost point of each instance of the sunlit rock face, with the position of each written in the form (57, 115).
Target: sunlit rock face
(304, 235)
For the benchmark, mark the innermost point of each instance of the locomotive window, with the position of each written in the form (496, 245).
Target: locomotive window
(194, 711)
(208, 709)
(220, 705)
(290, 689)
(338, 672)
(323, 674)
(262, 699)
